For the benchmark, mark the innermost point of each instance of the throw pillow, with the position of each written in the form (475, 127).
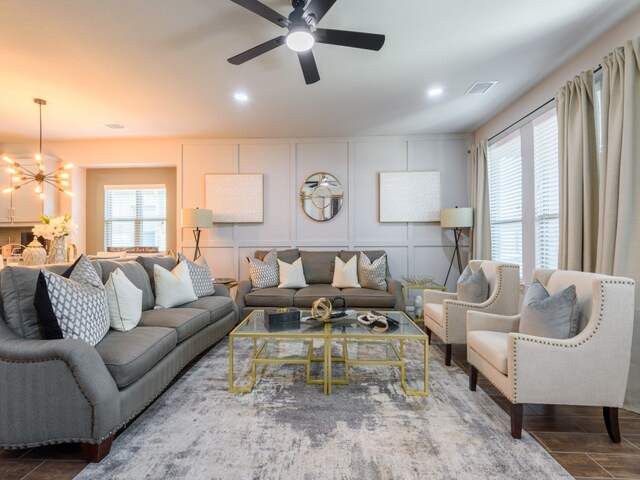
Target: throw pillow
(200, 275)
(264, 273)
(345, 275)
(550, 316)
(291, 274)
(124, 301)
(173, 287)
(473, 287)
(372, 274)
(72, 305)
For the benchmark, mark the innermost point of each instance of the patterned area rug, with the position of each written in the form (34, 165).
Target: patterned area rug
(287, 429)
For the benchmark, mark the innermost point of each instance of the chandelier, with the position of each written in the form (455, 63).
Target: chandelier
(26, 174)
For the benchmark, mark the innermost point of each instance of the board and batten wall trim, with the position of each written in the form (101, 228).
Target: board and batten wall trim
(413, 248)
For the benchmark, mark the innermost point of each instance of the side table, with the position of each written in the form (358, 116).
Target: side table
(227, 282)
(428, 286)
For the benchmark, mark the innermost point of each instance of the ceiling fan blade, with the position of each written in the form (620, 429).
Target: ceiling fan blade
(309, 67)
(265, 12)
(345, 38)
(256, 51)
(318, 8)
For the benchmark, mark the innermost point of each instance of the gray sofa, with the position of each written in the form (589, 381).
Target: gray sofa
(318, 271)
(66, 391)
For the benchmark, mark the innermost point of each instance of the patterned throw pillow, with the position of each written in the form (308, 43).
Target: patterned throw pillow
(372, 274)
(73, 305)
(200, 275)
(264, 273)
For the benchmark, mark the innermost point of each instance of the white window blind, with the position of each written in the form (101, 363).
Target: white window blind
(135, 216)
(547, 196)
(505, 199)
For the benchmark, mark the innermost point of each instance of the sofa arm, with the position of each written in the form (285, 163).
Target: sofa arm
(220, 290)
(491, 322)
(244, 287)
(394, 287)
(55, 391)
(435, 296)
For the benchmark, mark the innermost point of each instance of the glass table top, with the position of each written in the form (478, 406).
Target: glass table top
(254, 325)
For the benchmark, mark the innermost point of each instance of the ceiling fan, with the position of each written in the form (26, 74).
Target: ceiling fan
(303, 33)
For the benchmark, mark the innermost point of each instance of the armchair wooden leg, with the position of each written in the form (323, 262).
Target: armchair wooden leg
(447, 354)
(428, 330)
(473, 378)
(94, 452)
(517, 410)
(611, 421)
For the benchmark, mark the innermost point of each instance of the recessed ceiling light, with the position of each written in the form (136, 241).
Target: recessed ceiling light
(435, 92)
(241, 97)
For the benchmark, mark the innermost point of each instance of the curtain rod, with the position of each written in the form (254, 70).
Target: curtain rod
(595, 70)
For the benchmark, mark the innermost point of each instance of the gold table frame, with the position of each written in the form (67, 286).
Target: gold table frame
(252, 328)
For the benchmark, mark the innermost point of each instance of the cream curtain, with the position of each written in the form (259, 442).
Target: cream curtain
(481, 233)
(619, 212)
(578, 174)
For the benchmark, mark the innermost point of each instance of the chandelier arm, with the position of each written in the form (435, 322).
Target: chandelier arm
(27, 170)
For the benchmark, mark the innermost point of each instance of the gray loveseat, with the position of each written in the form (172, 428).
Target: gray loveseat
(66, 391)
(318, 271)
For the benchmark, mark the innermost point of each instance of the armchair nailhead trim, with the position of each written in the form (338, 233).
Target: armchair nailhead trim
(544, 341)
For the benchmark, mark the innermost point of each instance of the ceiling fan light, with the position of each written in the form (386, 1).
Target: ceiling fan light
(300, 40)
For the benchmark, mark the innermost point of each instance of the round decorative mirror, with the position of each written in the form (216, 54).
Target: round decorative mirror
(321, 196)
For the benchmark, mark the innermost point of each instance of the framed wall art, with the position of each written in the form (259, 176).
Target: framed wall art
(235, 197)
(409, 196)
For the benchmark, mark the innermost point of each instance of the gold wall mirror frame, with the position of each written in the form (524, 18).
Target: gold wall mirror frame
(321, 196)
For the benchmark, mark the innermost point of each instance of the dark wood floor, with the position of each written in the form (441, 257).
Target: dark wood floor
(575, 436)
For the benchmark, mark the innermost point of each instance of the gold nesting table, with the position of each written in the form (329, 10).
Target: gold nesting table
(358, 344)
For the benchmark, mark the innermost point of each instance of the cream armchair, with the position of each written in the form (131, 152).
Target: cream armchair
(588, 369)
(445, 315)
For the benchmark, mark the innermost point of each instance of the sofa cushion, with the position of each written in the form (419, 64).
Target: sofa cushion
(492, 346)
(186, 321)
(129, 355)
(270, 297)
(318, 266)
(306, 296)
(290, 255)
(17, 288)
(135, 273)
(434, 312)
(218, 307)
(368, 298)
(167, 262)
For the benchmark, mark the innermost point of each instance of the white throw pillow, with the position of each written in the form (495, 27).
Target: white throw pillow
(345, 275)
(124, 300)
(291, 274)
(173, 287)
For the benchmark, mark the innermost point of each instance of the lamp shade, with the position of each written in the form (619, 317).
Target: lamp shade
(456, 217)
(197, 218)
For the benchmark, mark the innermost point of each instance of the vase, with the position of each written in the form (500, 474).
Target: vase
(418, 307)
(34, 254)
(58, 250)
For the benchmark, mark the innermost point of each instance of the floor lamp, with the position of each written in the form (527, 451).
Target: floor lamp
(456, 218)
(197, 218)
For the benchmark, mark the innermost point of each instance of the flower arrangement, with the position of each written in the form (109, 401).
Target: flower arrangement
(51, 228)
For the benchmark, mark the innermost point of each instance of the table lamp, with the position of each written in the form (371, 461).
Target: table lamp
(197, 218)
(456, 218)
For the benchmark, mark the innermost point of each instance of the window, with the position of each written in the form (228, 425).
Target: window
(135, 216)
(547, 195)
(524, 201)
(505, 199)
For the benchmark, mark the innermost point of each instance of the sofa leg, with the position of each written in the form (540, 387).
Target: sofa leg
(473, 378)
(611, 421)
(447, 354)
(517, 410)
(93, 452)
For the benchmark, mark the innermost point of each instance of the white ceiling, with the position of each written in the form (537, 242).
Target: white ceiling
(159, 67)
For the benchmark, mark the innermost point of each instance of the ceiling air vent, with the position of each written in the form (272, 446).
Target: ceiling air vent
(480, 88)
(114, 126)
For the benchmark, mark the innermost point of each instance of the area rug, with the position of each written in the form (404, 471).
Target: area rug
(286, 429)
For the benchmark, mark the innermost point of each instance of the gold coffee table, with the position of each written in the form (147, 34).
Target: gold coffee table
(360, 346)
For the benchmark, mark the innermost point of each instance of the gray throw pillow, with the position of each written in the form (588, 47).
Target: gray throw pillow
(473, 287)
(200, 275)
(550, 316)
(264, 273)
